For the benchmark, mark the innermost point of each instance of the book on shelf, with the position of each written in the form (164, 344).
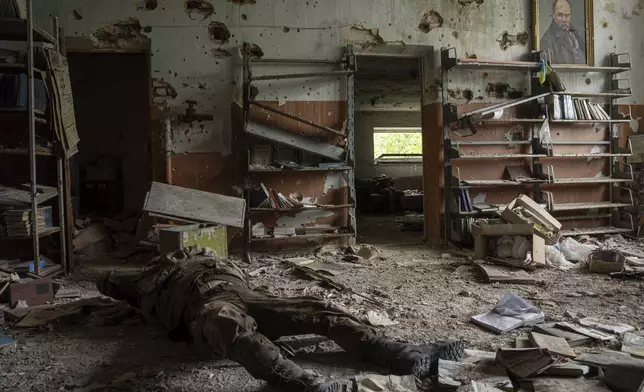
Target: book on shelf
(584, 110)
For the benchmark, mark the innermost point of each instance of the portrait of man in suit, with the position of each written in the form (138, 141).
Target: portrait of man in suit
(563, 40)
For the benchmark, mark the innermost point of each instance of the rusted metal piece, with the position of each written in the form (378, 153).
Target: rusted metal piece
(296, 118)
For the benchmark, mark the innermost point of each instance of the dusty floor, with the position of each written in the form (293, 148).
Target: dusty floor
(416, 284)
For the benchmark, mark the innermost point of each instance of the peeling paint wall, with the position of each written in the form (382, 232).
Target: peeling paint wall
(195, 46)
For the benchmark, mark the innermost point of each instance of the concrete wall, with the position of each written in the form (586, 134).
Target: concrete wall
(194, 46)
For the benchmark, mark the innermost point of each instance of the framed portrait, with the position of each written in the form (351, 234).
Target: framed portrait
(564, 28)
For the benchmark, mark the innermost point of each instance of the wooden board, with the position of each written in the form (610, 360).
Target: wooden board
(606, 325)
(555, 345)
(633, 344)
(573, 339)
(506, 275)
(606, 358)
(292, 139)
(193, 204)
(593, 333)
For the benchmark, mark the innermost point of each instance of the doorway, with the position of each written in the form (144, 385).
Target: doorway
(112, 171)
(389, 164)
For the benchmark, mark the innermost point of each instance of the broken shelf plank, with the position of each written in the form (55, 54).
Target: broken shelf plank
(295, 140)
(593, 333)
(606, 325)
(606, 358)
(573, 339)
(596, 231)
(553, 344)
(588, 206)
(499, 274)
(633, 344)
(196, 205)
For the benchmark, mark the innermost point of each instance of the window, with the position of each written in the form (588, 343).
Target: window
(397, 145)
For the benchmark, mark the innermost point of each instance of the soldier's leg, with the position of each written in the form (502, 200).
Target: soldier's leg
(295, 316)
(224, 326)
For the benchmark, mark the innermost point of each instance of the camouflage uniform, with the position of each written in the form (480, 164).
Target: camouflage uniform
(210, 299)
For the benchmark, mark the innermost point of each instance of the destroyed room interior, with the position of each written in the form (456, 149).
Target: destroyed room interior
(321, 196)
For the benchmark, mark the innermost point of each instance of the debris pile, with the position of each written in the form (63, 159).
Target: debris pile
(103, 235)
(545, 358)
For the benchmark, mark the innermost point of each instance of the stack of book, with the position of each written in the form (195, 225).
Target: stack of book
(567, 108)
(18, 223)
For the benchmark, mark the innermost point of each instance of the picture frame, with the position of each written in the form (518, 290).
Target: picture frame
(565, 29)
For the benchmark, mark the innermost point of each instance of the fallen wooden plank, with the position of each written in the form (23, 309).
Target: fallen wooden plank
(295, 140)
(607, 357)
(499, 274)
(593, 333)
(606, 325)
(196, 205)
(633, 344)
(573, 339)
(553, 344)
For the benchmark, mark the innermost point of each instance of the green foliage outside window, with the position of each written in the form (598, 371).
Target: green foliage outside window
(397, 143)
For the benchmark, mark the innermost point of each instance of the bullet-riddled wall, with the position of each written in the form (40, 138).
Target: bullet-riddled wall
(194, 46)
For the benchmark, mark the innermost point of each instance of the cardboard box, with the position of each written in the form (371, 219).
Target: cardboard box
(36, 292)
(180, 237)
(606, 261)
(482, 231)
(544, 224)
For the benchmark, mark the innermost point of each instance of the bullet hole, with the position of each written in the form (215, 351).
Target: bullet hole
(431, 20)
(77, 15)
(203, 7)
(286, 29)
(610, 37)
(202, 86)
(588, 81)
(485, 75)
(364, 36)
(122, 33)
(244, 17)
(243, 2)
(163, 89)
(508, 40)
(218, 32)
(604, 24)
(470, 2)
(253, 50)
(502, 90)
(374, 100)
(466, 94)
(220, 53)
(455, 34)
(147, 5)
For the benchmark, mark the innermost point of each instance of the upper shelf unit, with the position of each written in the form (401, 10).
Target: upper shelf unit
(14, 29)
(450, 61)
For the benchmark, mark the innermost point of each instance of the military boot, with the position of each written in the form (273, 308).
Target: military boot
(404, 359)
(263, 360)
